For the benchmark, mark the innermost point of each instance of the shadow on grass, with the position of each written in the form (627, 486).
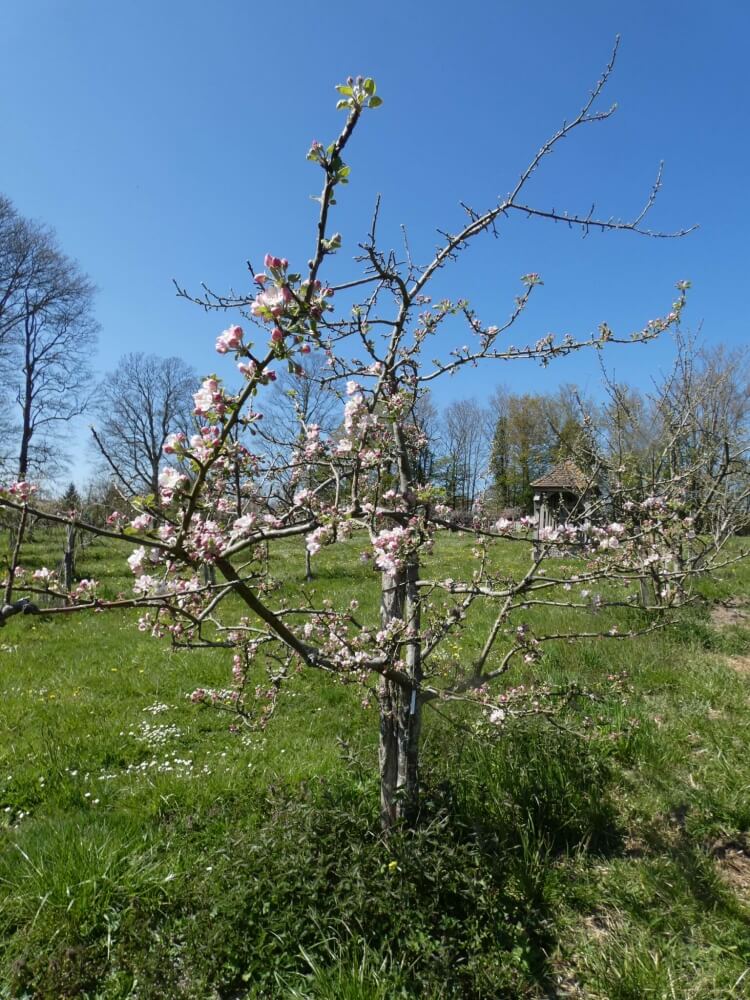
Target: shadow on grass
(696, 862)
(302, 895)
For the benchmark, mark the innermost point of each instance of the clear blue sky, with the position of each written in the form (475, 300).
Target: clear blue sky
(167, 139)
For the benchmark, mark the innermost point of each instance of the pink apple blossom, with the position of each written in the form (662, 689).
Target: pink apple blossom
(270, 303)
(173, 443)
(170, 480)
(244, 525)
(136, 560)
(229, 340)
(22, 490)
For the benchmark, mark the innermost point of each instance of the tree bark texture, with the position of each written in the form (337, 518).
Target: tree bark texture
(401, 706)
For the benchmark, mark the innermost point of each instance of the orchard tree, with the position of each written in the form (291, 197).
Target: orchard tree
(302, 400)
(366, 490)
(693, 427)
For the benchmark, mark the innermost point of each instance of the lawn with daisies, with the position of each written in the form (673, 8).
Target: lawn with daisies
(155, 848)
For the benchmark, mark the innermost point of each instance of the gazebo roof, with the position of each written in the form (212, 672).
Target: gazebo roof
(565, 476)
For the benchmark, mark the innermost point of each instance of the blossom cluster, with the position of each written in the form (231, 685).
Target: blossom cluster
(84, 591)
(210, 400)
(21, 490)
(393, 546)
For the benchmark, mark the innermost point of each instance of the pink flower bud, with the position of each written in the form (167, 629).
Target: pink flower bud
(229, 340)
(305, 349)
(277, 336)
(268, 260)
(261, 279)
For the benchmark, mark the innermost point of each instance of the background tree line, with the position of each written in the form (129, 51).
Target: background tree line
(491, 450)
(630, 439)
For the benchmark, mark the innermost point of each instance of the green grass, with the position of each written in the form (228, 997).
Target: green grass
(146, 851)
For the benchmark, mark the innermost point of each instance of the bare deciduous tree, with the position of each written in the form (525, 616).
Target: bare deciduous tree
(47, 331)
(138, 405)
(426, 422)
(298, 399)
(464, 448)
(55, 380)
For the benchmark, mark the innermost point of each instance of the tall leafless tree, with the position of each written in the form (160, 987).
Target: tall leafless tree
(466, 437)
(144, 400)
(299, 398)
(426, 419)
(54, 383)
(47, 331)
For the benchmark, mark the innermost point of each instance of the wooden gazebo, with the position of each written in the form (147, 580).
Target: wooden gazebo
(561, 496)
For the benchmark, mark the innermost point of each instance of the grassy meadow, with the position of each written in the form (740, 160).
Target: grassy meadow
(149, 851)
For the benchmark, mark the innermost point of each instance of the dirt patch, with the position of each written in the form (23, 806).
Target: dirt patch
(635, 847)
(733, 860)
(600, 923)
(731, 612)
(740, 664)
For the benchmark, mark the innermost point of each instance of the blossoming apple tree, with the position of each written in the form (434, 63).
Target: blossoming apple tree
(216, 503)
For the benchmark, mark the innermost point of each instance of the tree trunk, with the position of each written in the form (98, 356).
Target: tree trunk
(401, 706)
(26, 428)
(69, 558)
(155, 465)
(308, 565)
(16, 538)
